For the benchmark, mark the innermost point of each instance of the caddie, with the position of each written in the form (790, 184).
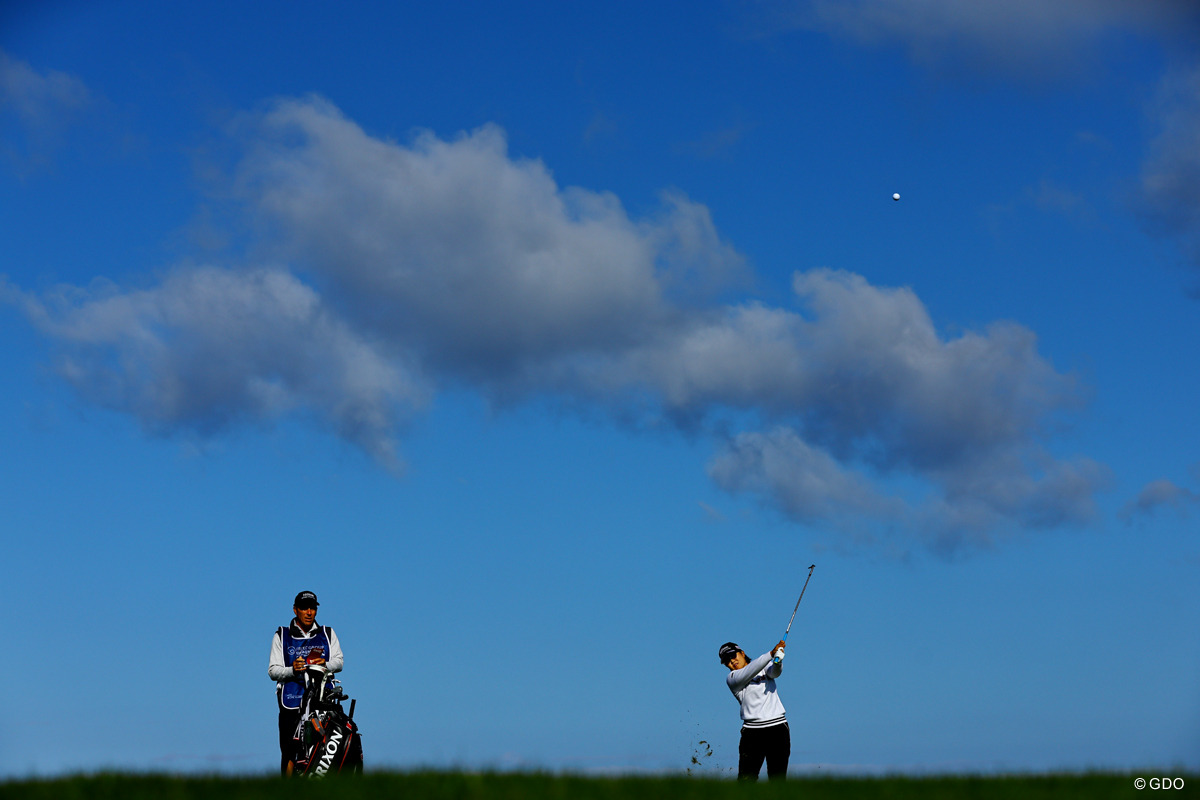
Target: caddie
(293, 648)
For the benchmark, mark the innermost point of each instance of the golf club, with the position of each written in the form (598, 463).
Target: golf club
(797, 608)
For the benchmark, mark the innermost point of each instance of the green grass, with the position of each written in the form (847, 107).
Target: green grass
(507, 786)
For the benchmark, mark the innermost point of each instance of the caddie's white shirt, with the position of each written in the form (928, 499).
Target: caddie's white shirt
(754, 687)
(280, 669)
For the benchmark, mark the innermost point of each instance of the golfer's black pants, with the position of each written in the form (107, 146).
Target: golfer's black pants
(773, 744)
(289, 718)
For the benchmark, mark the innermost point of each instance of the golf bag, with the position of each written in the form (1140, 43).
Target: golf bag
(327, 739)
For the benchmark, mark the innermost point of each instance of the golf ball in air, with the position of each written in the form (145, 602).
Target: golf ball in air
(896, 196)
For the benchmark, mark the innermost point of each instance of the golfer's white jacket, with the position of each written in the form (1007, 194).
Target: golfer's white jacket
(754, 687)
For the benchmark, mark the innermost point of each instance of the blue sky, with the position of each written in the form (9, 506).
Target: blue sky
(550, 348)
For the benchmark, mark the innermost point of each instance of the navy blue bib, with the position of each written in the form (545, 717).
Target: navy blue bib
(293, 648)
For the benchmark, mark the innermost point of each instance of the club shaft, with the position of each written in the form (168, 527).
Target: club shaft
(797, 608)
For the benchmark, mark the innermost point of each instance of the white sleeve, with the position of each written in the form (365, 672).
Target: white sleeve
(774, 670)
(277, 668)
(335, 660)
(739, 679)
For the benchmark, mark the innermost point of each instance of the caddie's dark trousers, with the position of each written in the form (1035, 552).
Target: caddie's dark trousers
(289, 718)
(773, 743)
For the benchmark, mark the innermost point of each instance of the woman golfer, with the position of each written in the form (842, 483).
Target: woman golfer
(765, 733)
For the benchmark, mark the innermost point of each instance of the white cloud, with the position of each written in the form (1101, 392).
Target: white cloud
(1159, 494)
(864, 373)
(449, 261)
(972, 505)
(210, 348)
(35, 110)
(479, 259)
(39, 99)
(1170, 181)
(1028, 38)
(805, 482)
